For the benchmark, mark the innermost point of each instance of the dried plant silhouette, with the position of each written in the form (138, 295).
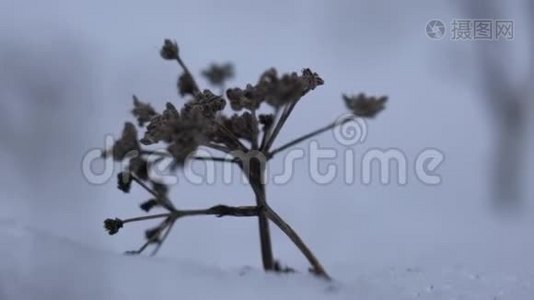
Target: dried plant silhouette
(245, 138)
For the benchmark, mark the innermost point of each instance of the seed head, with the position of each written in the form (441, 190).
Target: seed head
(113, 225)
(160, 189)
(266, 120)
(205, 104)
(148, 205)
(160, 127)
(219, 74)
(186, 85)
(244, 126)
(142, 111)
(169, 50)
(139, 167)
(365, 106)
(127, 143)
(152, 234)
(124, 181)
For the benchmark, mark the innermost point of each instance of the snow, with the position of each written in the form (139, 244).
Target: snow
(37, 265)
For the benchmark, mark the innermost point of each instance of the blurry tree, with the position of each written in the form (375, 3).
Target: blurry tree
(508, 96)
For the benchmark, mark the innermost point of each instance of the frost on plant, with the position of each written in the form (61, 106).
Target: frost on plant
(244, 138)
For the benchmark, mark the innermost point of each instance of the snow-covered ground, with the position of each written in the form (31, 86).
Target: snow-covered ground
(36, 265)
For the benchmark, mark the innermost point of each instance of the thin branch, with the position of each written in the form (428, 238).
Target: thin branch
(214, 146)
(217, 210)
(267, 133)
(293, 236)
(163, 201)
(219, 159)
(164, 237)
(152, 152)
(255, 137)
(220, 211)
(164, 154)
(166, 215)
(153, 239)
(186, 71)
(283, 118)
(307, 136)
(140, 250)
(234, 139)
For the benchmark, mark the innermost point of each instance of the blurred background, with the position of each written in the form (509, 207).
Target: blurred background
(68, 70)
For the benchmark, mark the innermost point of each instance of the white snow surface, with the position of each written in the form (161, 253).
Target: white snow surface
(37, 265)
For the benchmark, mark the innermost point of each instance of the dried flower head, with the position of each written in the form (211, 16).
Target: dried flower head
(160, 189)
(219, 74)
(274, 90)
(124, 181)
(364, 106)
(153, 234)
(160, 127)
(139, 167)
(266, 120)
(148, 205)
(113, 225)
(142, 111)
(206, 104)
(169, 50)
(127, 143)
(243, 126)
(186, 85)
(183, 145)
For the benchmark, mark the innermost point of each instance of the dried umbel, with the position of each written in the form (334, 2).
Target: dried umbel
(217, 74)
(364, 106)
(142, 111)
(169, 50)
(127, 143)
(201, 122)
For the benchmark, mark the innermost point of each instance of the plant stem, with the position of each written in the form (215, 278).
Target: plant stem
(283, 118)
(168, 229)
(218, 147)
(256, 170)
(232, 137)
(165, 154)
(268, 131)
(307, 136)
(276, 219)
(146, 218)
(254, 145)
(186, 71)
(217, 210)
(219, 159)
(168, 223)
(163, 201)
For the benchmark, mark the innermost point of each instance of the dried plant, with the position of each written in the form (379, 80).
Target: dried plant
(246, 139)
